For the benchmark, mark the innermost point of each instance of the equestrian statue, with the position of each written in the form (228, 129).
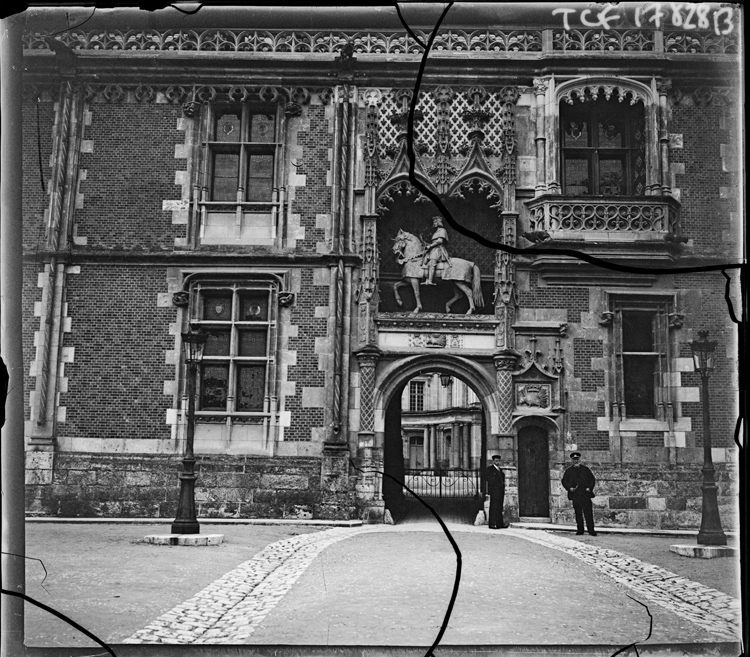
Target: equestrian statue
(426, 261)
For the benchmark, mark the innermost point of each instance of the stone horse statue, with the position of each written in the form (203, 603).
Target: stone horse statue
(465, 276)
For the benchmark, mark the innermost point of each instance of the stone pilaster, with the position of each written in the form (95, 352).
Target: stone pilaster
(663, 87)
(540, 92)
(368, 360)
(505, 364)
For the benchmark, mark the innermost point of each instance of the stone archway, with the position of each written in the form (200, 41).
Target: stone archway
(392, 375)
(389, 384)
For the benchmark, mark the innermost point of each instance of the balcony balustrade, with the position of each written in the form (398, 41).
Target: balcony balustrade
(621, 219)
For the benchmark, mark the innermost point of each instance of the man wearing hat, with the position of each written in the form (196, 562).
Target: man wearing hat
(494, 481)
(579, 481)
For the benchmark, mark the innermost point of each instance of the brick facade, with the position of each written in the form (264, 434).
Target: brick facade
(109, 306)
(102, 328)
(129, 170)
(574, 300)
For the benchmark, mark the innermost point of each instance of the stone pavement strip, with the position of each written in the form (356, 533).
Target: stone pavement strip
(230, 609)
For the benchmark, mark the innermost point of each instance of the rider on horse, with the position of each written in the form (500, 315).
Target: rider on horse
(435, 252)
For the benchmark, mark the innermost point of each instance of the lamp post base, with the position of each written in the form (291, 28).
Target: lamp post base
(186, 521)
(710, 532)
(712, 538)
(186, 527)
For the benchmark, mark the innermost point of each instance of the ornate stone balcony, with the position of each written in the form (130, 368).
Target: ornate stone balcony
(605, 218)
(636, 230)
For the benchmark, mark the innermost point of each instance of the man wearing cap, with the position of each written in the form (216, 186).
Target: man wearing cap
(579, 481)
(494, 481)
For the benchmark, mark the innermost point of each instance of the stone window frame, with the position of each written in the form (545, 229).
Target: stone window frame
(661, 305)
(255, 282)
(255, 223)
(416, 396)
(594, 153)
(552, 91)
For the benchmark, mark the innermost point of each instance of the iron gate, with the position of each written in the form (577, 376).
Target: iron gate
(455, 484)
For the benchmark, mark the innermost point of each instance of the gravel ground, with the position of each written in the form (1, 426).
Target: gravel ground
(108, 580)
(393, 589)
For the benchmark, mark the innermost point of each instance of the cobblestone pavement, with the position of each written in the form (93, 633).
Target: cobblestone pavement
(230, 609)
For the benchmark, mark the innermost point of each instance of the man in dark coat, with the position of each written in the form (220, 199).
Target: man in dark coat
(495, 484)
(579, 481)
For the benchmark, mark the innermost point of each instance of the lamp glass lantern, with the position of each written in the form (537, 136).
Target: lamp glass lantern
(193, 343)
(446, 380)
(703, 353)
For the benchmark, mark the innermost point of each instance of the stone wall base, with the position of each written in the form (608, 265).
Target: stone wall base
(145, 485)
(66, 484)
(654, 495)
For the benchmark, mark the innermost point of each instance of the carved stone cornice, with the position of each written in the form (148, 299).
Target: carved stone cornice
(591, 90)
(368, 356)
(290, 42)
(191, 98)
(541, 85)
(508, 41)
(434, 323)
(506, 360)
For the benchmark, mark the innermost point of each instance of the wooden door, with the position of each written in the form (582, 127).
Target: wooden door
(533, 473)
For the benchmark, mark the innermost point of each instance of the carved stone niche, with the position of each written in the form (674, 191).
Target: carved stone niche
(535, 392)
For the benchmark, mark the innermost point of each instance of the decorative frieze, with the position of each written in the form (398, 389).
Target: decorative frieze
(591, 91)
(191, 98)
(697, 43)
(436, 340)
(602, 41)
(434, 322)
(294, 41)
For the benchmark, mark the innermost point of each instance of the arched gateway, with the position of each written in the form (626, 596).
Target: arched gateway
(487, 339)
(454, 459)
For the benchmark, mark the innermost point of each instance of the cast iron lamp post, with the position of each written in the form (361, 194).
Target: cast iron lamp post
(186, 522)
(710, 532)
